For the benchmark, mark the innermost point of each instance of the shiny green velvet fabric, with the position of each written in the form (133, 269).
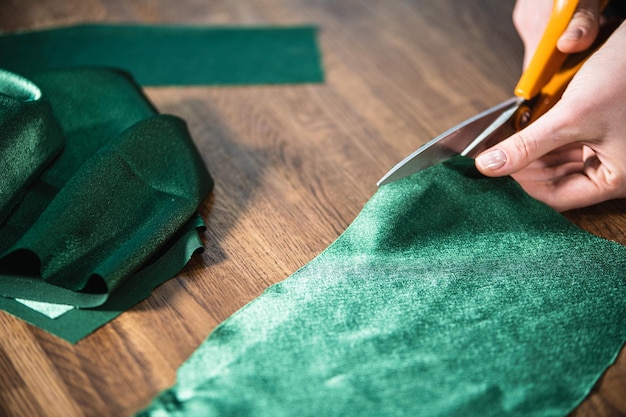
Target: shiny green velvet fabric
(29, 137)
(172, 55)
(106, 206)
(451, 294)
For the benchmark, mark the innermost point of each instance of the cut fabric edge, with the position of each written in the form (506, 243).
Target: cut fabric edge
(597, 379)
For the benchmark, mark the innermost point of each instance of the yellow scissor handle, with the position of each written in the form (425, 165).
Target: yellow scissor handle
(547, 58)
(548, 73)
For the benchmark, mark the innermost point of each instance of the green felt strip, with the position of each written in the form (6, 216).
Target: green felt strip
(172, 55)
(451, 294)
(125, 187)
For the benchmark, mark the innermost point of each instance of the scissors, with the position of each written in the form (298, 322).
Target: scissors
(538, 89)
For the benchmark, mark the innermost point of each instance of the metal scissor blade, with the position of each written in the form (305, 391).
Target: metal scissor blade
(454, 141)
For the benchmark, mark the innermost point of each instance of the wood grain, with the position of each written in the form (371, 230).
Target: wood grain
(293, 167)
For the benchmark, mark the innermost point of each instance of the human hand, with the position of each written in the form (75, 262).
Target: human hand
(575, 154)
(530, 18)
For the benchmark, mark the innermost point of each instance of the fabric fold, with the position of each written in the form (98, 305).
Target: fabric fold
(100, 237)
(24, 152)
(78, 323)
(451, 294)
(125, 187)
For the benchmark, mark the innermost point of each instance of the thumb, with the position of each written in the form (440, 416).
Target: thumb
(520, 149)
(582, 29)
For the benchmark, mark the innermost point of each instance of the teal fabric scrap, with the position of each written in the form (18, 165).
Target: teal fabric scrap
(101, 211)
(158, 55)
(451, 294)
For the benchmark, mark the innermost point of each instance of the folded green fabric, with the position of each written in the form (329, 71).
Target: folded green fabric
(451, 294)
(78, 323)
(24, 153)
(119, 199)
(172, 55)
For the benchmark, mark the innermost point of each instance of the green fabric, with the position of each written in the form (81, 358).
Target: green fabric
(78, 323)
(24, 153)
(119, 199)
(451, 294)
(172, 55)
(50, 310)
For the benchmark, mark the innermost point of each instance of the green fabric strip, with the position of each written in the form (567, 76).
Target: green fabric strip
(172, 55)
(125, 188)
(451, 294)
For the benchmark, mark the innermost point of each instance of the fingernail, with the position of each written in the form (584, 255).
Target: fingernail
(492, 160)
(573, 34)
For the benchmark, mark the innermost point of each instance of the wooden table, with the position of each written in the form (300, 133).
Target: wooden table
(293, 167)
